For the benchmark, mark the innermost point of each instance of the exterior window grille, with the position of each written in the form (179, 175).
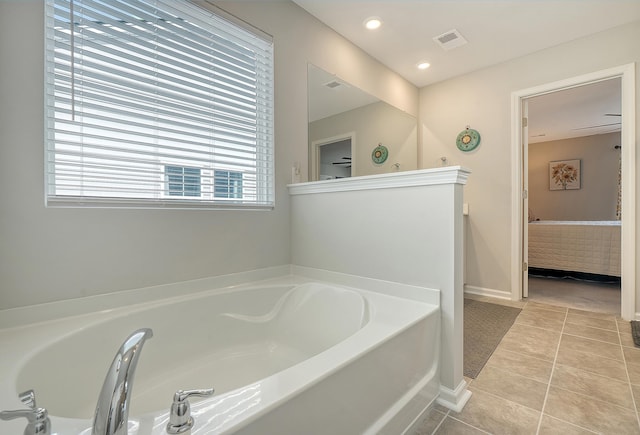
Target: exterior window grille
(183, 181)
(227, 184)
(138, 89)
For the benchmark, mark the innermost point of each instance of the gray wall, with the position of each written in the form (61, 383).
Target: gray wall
(373, 124)
(50, 254)
(596, 199)
(487, 108)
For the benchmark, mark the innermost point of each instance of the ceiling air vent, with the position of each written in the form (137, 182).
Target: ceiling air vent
(450, 39)
(333, 84)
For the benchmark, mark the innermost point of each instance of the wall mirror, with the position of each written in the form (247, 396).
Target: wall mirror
(347, 124)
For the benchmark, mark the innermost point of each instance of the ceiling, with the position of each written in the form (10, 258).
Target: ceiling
(581, 111)
(495, 31)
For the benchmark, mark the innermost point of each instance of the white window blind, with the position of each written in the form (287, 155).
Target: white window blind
(134, 87)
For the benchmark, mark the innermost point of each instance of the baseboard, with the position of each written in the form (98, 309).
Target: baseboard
(481, 291)
(454, 399)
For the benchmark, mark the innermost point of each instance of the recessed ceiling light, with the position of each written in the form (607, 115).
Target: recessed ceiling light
(372, 23)
(423, 65)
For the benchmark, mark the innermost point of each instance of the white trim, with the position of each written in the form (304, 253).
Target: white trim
(628, 137)
(454, 399)
(422, 177)
(481, 291)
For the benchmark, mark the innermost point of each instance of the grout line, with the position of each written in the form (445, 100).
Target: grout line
(594, 339)
(441, 421)
(466, 424)
(600, 375)
(600, 400)
(575, 425)
(553, 368)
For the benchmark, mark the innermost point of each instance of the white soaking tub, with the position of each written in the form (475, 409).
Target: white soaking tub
(285, 357)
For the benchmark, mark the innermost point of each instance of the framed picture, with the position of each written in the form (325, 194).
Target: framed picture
(564, 175)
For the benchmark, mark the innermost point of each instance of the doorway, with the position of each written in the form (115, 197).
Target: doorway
(574, 227)
(626, 75)
(331, 158)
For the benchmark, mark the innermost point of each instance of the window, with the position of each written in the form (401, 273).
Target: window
(227, 184)
(156, 103)
(183, 181)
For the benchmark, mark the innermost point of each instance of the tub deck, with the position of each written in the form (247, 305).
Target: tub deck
(279, 354)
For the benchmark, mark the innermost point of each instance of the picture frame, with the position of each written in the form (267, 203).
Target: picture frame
(565, 174)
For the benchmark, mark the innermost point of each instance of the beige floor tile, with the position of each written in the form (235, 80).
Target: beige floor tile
(594, 322)
(586, 345)
(535, 342)
(634, 373)
(592, 314)
(430, 423)
(451, 426)
(512, 387)
(519, 364)
(627, 340)
(624, 326)
(540, 306)
(577, 294)
(592, 414)
(595, 386)
(440, 408)
(631, 355)
(592, 333)
(589, 391)
(592, 363)
(553, 426)
(635, 389)
(545, 319)
(498, 416)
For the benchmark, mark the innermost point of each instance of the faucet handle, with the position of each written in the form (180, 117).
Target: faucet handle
(39, 423)
(180, 419)
(182, 395)
(28, 398)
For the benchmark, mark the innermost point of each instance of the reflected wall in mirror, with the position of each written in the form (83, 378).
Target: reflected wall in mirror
(346, 124)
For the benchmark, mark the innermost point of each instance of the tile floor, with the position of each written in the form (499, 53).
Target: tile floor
(558, 370)
(574, 293)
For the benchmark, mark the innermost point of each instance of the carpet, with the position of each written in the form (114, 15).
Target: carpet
(484, 326)
(635, 332)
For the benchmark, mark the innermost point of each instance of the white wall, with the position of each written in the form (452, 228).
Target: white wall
(483, 100)
(597, 197)
(373, 124)
(50, 254)
(411, 234)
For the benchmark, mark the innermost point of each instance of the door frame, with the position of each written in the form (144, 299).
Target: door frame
(628, 137)
(314, 153)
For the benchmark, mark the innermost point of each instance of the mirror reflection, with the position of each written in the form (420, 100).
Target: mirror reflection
(346, 125)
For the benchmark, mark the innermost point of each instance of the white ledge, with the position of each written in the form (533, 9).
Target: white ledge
(422, 177)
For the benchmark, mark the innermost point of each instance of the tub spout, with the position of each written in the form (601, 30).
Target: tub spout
(112, 411)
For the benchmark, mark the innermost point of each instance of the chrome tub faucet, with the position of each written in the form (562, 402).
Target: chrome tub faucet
(38, 422)
(112, 410)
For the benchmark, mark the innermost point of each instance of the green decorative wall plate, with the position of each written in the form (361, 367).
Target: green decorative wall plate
(380, 154)
(468, 140)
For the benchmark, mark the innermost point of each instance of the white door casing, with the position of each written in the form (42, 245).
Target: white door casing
(628, 136)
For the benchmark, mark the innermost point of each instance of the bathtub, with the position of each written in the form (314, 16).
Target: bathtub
(287, 356)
